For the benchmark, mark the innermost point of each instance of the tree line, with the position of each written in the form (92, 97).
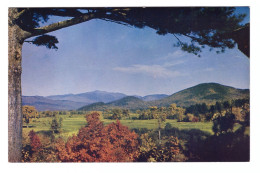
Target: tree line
(194, 113)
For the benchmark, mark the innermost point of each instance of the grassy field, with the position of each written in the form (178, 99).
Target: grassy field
(152, 124)
(71, 124)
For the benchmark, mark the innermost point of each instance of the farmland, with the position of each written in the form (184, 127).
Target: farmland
(72, 124)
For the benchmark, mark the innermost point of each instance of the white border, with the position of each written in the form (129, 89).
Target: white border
(252, 166)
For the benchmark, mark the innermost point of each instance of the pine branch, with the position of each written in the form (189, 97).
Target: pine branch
(178, 39)
(67, 12)
(59, 25)
(19, 14)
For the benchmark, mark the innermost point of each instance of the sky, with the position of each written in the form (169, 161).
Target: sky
(100, 55)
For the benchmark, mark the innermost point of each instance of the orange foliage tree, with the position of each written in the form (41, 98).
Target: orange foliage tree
(99, 143)
(38, 149)
(34, 141)
(29, 112)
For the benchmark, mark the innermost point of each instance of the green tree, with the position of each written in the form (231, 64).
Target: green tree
(168, 126)
(106, 114)
(116, 113)
(175, 112)
(165, 152)
(180, 117)
(171, 111)
(219, 107)
(228, 106)
(223, 124)
(29, 112)
(48, 113)
(143, 115)
(160, 115)
(56, 125)
(204, 108)
(212, 109)
(204, 26)
(126, 113)
(189, 117)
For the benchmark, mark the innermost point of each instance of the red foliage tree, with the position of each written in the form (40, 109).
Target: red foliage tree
(34, 141)
(124, 142)
(99, 143)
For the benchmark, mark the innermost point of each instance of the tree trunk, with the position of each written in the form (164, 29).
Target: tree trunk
(159, 136)
(14, 90)
(16, 37)
(159, 130)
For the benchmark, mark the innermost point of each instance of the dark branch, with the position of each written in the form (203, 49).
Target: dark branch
(19, 14)
(118, 22)
(59, 25)
(178, 39)
(29, 41)
(67, 12)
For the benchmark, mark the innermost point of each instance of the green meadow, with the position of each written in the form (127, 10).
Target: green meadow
(72, 124)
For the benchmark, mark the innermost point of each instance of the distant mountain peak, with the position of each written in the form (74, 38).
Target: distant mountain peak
(205, 92)
(126, 99)
(98, 91)
(201, 93)
(90, 97)
(128, 102)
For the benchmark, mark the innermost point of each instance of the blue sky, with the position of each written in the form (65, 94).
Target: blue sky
(100, 55)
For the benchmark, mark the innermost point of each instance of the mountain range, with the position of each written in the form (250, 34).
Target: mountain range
(207, 93)
(100, 100)
(75, 101)
(89, 97)
(42, 103)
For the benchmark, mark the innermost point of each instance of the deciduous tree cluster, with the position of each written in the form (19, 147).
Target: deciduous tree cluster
(29, 112)
(99, 143)
(168, 151)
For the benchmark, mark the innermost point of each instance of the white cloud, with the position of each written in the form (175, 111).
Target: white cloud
(156, 71)
(208, 69)
(175, 54)
(173, 63)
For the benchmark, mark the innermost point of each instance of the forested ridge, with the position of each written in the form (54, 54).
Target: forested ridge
(203, 93)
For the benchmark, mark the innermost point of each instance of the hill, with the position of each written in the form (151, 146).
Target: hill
(203, 93)
(74, 101)
(154, 97)
(99, 100)
(129, 102)
(43, 104)
(89, 97)
(207, 93)
(99, 106)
